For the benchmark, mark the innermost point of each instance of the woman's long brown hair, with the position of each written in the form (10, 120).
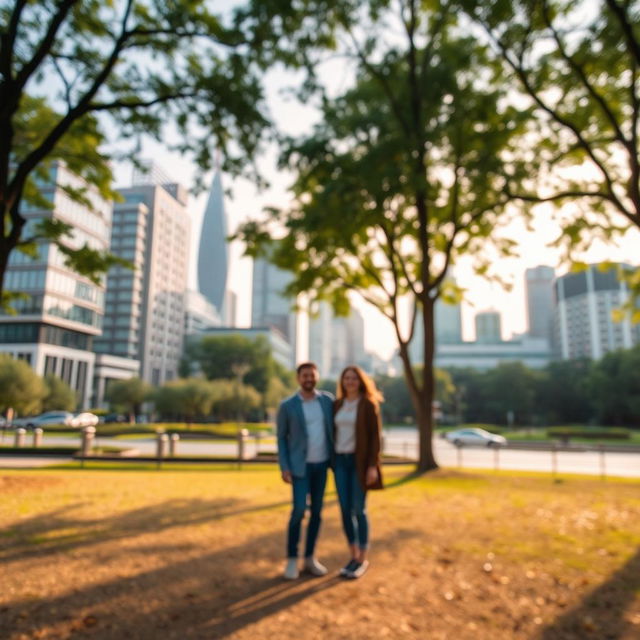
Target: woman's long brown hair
(367, 385)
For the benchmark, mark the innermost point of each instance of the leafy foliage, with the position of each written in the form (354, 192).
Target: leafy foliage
(408, 170)
(21, 388)
(575, 64)
(60, 396)
(72, 70)
(128, 395)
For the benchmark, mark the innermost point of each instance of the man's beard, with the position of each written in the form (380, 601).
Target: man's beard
(308, 386)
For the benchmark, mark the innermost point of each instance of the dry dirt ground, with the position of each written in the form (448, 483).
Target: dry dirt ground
(154, 555)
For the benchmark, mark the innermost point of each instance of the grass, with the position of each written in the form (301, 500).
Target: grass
(196, 552)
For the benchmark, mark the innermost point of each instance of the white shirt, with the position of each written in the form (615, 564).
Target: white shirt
(345, 419)
(317, 449)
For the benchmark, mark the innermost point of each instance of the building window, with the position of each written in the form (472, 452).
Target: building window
(50, 365)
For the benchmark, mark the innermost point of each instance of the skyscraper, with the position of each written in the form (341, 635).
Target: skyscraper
(540, 301)
(56, 325)
(583, 320)
(269, 306)
(447, 320)
(488, 327)
(213, 253)
(335, 341)
(145, 311)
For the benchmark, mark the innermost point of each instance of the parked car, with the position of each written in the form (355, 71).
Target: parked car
(115, 418)
(84, 419)
(47, 418)
(475, 437)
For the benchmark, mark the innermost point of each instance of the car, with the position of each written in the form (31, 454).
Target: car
(117, 418)
(47, 418)
(475, 437)
(84, 419)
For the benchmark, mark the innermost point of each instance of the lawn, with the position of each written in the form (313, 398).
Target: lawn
(196, 552)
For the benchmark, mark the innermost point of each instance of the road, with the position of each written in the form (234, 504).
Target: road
(403, 442)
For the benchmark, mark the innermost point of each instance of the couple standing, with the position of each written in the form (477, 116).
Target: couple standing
(316, 432)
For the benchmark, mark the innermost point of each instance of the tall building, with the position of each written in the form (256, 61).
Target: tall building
(145, 311)
(320, 342)
(269, 306)
(199, 313)
(540, 301)
(583, 321)
(335, 342)
(213, 255)
(488, 329)
(57, 323)
(447, 319)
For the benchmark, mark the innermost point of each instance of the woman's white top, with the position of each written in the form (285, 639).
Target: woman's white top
(345, 419)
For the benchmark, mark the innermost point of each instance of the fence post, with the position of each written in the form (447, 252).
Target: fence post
(18, 440)
(162, 440)
(174, 438)
(496, 458)
(459, 450)
(243, 436)
(554, 460)
(37, 437)
(603, 470)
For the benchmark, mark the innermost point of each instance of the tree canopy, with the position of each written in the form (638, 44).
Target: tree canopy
(407, 170)
(73, 69)
(575, 64)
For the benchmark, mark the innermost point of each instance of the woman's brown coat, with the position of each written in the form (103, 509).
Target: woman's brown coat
(368, 440)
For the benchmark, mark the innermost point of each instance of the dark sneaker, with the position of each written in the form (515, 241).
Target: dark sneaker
(349, 567)
(358, 570)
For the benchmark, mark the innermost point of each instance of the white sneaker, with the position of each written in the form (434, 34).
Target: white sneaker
(291, 570)
(314, 567)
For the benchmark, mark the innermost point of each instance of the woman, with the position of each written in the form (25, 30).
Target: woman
(357, 463)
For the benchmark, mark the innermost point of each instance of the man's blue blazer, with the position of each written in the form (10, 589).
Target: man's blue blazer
(292, 432)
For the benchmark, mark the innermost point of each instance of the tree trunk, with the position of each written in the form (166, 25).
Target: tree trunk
(422, 396)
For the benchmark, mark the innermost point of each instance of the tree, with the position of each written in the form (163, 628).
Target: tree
(614, 384)
(576, 64)
(60, 396)
(233, 357)
(20, 387)
(234, 400)
(129, 395)
(67, 66)
(407, 171)
(563, 394)
(509, 391)
(189, 398)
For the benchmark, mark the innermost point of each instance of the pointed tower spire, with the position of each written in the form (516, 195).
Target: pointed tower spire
(213, 253)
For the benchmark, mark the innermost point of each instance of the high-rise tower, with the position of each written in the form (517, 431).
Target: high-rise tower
(213, 254)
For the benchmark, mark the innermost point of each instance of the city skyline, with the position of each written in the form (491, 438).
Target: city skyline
(245, 201)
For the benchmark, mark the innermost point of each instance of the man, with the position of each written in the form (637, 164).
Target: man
(305, 445)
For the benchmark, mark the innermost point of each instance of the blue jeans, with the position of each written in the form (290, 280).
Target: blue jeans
(312, 485)
(352, 500)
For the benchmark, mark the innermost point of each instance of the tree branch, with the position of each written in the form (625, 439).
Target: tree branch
(579, 71)
(47, 42)
(627, 28)
(7, 41)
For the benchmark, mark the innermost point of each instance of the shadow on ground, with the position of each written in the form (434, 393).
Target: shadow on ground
(207, 595)
(601, 613)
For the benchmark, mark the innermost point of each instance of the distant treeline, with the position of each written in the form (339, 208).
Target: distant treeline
(603, 392)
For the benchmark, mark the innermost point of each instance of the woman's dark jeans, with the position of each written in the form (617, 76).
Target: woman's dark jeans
(352, 500)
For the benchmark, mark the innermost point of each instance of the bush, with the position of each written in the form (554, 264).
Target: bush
(564, 433)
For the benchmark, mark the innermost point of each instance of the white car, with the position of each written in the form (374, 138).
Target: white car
(84, 419)
(47, 418)
(475, 437)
